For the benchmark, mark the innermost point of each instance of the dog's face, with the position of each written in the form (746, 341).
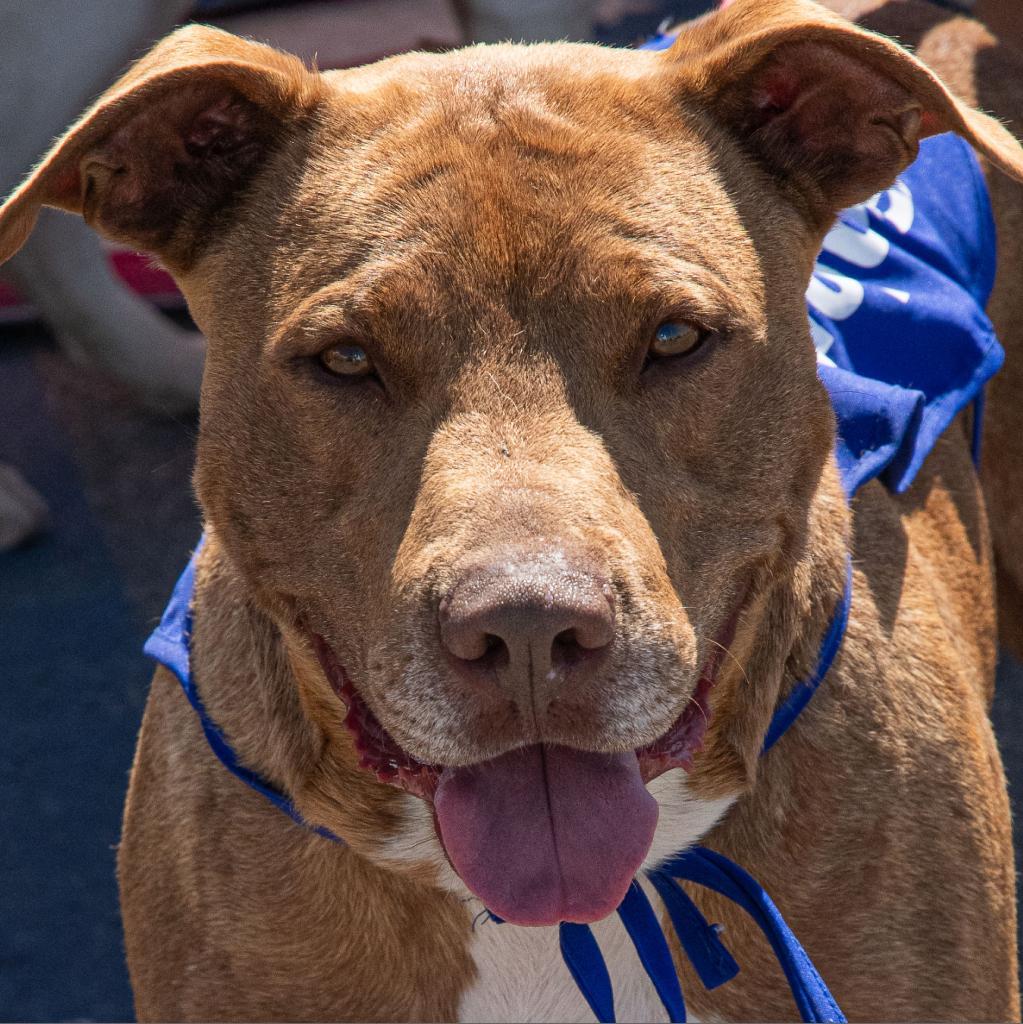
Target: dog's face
(516, 419)
(527, 420)
(511, 417)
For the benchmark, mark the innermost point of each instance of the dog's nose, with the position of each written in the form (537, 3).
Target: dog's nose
(529, 620)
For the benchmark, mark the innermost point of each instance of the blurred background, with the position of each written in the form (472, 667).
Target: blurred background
(99, 370)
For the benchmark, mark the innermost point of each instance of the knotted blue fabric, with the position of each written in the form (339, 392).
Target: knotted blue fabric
(896, 308)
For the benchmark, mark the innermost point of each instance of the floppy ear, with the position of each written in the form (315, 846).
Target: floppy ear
(833, 109)
(168, 146)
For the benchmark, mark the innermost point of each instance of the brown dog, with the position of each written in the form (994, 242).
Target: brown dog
(442, 448)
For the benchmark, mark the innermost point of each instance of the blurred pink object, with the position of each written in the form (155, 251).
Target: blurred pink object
(340, 35)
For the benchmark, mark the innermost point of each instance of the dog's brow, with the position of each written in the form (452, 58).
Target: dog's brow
(409, 181)
(350, 304)
(324, 309)
(666, 279)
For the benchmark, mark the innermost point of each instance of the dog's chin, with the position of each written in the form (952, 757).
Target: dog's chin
(383, 757)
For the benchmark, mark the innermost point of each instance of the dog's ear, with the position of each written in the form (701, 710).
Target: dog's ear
(833, 109)
(166, 148)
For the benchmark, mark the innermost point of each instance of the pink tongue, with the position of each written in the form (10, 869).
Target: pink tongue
(547, 834)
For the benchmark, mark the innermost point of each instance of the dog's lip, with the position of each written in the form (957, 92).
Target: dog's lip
(381, 755)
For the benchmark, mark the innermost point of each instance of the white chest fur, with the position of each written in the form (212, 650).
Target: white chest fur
(523, 978)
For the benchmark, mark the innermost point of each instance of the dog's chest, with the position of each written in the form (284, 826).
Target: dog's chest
(521, 976)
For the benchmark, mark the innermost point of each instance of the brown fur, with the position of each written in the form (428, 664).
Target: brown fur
(503, 228)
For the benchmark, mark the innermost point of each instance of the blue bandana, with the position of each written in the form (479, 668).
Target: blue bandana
(896, 310)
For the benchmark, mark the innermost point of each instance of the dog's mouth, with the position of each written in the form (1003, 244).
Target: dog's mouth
(545, 833)
(381, 755)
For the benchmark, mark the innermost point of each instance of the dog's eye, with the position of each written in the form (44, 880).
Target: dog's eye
(676, 338)
(346, 361)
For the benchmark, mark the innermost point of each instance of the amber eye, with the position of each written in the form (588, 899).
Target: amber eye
(346, 361)
(676, 338)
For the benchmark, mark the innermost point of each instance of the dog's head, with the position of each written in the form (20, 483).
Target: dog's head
(511, 418)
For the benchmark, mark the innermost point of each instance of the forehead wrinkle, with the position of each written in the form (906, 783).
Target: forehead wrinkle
(520, 198)
(501, 183)
(371, 288)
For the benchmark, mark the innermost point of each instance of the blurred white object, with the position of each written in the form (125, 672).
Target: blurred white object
(341, 35)
(23, 512)
(55, 57)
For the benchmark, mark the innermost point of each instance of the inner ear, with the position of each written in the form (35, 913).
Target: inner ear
(831, 123)
(160, 178)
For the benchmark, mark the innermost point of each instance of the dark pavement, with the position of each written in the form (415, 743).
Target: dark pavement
(74, 609)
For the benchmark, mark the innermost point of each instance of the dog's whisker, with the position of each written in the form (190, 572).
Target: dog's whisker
(738, 664)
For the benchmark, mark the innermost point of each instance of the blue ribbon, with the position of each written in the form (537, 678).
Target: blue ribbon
(709, 956)
(585, 963)
(654, 953)
(800, 695)
(170, 644)
(714, 871)
(700, 940)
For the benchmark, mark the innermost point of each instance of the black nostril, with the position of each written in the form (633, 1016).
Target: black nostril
(566, 650)
(495, 655)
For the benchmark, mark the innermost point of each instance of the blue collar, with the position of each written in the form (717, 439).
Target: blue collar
(170, 644)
